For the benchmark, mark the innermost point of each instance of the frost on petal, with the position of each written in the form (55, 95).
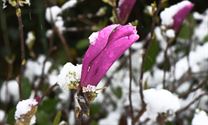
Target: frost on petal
(69, 76)
(160, 101)
(200, 118)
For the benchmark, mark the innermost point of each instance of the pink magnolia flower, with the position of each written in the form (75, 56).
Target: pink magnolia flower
(124, 9)
(174, 16)
(106, 47)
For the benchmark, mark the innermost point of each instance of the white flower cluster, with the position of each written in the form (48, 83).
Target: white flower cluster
(69, 76)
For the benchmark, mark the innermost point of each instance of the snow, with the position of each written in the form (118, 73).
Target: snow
(69, 4)
(23, 107)
(53, 77)
(30, 38)
(52, 13)
(201, 31)
(159, 101)
(170, 33)
(168, 14)
(9, 91)
(34, 68)
(197, 59)
(2, 115)
(200, 118)
(93, 37)
(112, 119)
(69, 75)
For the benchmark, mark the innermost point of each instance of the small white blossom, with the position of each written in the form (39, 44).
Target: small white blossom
(69, 76)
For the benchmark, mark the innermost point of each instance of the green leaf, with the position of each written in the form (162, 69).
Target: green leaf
(187, 28)
(57, 118)
(26, 88)
(10, 116)
(82, 44)
(43, 118)
(118, 92)
(152, 53)
(94, 109)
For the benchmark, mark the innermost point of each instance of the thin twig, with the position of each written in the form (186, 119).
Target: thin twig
(22, 47)
(146, 48)
(130, 88)
(192, 102)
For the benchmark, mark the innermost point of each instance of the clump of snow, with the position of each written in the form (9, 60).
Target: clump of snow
(52, 13)
(93, 37)
(30, 39)
(9, 90)
(201, 31)
(2, 115)
(112, 118)
(170, 33)
(200, 118)
(168, 14)
(159, 101)
(69, 4)
(70, 75)
(197, 61)
(53, 77)
(23, 107)
(34, 68)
